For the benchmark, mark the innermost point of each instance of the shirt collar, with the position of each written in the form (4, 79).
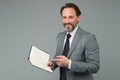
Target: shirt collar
(74, 31)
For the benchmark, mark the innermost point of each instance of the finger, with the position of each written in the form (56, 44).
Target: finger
(57, 60)
(54, 59)
(60, 57)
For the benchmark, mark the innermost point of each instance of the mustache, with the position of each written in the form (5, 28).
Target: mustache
(67, 24)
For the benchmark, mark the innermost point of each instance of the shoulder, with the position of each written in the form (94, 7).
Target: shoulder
(86, 36)
(84, 32)
(61, 34)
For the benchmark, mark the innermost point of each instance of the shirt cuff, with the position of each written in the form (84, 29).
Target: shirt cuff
(69, 65)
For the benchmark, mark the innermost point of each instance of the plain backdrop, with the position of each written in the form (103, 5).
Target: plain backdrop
(37, 22)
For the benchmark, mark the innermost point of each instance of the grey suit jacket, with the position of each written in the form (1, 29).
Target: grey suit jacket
(84, 53)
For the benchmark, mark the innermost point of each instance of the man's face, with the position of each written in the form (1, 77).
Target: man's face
(69, 19)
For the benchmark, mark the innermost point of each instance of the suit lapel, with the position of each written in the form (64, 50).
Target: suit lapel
(77, 37)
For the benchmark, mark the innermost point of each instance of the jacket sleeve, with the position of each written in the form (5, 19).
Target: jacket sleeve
(57, 50)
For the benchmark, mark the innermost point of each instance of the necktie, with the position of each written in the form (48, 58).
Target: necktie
(65, 53)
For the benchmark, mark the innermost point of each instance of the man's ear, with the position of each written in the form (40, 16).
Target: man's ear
(79, 18)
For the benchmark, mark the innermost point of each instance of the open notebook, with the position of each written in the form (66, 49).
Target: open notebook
(39, 58)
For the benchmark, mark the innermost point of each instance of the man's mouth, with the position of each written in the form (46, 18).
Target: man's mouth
(68, 24)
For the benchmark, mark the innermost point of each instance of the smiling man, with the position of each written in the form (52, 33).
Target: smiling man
(77, 51)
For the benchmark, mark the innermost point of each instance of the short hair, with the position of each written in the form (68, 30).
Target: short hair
(71, 5)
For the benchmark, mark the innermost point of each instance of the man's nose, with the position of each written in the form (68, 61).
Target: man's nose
(67, 20)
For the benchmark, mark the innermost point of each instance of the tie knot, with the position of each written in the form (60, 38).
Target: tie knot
(68, 36)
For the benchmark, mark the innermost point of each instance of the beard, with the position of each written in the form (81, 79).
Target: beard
(69, 27)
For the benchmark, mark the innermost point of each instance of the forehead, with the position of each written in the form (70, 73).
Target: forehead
(68, 11)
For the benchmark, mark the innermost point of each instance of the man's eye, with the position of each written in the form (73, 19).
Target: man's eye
(71, 17)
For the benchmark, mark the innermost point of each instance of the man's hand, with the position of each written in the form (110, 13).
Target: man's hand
(50, 65)
(61, 61)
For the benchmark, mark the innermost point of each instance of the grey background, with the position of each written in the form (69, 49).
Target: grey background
(37, 22)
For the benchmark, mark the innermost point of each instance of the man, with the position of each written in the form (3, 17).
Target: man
(77, 52)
